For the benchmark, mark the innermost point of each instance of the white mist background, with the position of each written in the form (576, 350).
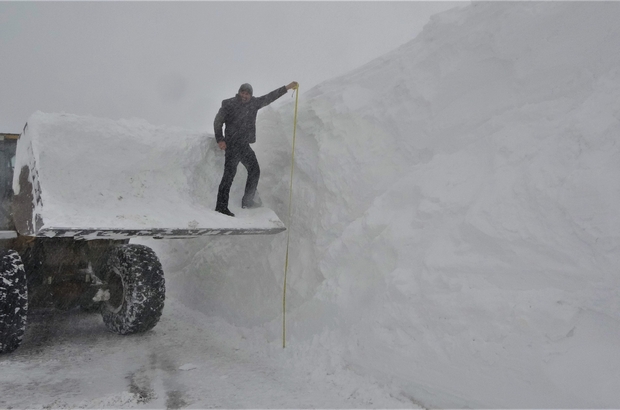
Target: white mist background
(172, 63)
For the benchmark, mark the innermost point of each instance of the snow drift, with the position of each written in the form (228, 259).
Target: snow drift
(455, 217)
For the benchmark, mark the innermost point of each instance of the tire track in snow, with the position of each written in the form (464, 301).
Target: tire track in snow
(69, 360)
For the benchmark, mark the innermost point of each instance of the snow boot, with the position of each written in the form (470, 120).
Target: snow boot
(255, 202)
(224, 211)
(251, 204)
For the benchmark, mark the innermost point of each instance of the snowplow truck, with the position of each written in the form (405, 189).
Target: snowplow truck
(75, 190)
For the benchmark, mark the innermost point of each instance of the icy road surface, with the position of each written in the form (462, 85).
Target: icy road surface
(69, 360)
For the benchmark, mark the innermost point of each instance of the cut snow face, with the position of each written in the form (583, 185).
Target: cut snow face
(97, 178)
(455, 228)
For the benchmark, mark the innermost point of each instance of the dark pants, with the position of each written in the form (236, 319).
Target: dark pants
(235, 154)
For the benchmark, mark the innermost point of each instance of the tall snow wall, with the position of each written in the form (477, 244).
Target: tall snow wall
(455, 228)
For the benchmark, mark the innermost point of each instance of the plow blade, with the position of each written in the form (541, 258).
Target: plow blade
(92, 178)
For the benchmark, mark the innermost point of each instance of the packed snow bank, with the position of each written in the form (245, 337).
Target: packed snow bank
(455, 231)
(90, 177)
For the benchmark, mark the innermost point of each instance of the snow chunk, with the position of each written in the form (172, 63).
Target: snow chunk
(188, 366)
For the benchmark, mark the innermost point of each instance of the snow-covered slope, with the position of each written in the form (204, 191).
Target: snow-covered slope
(455, 230)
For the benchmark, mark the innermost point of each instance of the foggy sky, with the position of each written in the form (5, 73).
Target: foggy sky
(172, 63)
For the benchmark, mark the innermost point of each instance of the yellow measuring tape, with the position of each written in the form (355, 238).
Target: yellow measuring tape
(288, 231)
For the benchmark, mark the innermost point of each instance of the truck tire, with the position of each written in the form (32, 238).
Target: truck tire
(135, 280)
(13, 300)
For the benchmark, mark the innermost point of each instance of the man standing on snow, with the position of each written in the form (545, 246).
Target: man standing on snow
(239, 115)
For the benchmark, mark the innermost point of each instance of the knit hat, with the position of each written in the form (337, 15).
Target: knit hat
(246, 87)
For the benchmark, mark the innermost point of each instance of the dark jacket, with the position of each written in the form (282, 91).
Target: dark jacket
(240, 118)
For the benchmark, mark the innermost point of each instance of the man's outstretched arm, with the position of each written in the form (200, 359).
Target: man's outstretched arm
(275, 94)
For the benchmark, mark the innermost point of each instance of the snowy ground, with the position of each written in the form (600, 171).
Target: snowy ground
(69, 360)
